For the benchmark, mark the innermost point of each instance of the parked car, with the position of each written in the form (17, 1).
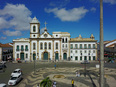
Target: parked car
(85, 61)
(15, 79)
(18, 71)
(3, 85)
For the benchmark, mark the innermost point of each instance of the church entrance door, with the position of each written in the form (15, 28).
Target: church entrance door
(45, 56)
(65, 56)
(22, 56)
(56, 56)
(34, 56)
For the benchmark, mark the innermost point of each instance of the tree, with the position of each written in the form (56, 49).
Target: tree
(46, 82)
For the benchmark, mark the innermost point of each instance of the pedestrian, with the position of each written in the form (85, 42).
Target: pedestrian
(38, 85)
(76, 73)
(54, 82)
(72, 83)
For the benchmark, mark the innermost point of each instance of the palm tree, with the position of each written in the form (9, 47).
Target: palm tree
(46, 82)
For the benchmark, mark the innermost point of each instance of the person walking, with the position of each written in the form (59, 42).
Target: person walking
(38, 85)
(72, 83)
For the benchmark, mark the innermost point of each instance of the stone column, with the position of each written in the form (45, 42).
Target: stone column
(38, 49)
(14, 49)
(30, 51)
(53, 51)
(60, 49)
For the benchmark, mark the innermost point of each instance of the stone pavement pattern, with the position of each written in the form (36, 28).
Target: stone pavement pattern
(33, 79)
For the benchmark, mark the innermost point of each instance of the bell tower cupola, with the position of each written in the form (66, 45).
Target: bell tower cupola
(34, 28)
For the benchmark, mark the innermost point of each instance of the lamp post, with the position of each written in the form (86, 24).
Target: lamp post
(101, 46)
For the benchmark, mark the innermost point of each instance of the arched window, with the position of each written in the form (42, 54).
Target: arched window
(34, 28)
(34, 46)
(45, 46)
(56, 45)
(41, 45)
(49, 45)
(66, 45)
(66, 40)
(62, 40)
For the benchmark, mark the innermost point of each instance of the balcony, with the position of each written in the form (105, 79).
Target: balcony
(17, 49)
(22, 49)
(26, 49)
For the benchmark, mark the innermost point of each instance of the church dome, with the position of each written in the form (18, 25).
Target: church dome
(34, 20)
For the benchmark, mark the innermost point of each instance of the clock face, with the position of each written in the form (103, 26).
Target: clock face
(45, 35)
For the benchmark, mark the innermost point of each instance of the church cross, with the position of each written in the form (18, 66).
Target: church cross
(45, 24)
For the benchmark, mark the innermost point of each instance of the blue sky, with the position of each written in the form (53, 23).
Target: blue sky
(73, 16)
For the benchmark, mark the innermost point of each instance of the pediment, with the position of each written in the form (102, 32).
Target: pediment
(45, 34)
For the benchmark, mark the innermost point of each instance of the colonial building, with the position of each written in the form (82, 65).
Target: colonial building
(6, 51)
(49, 47)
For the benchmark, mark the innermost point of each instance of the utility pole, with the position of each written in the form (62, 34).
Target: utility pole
(101, 46)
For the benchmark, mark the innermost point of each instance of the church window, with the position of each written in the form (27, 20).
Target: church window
(89, 57)
(66, 40)
(80, 46)
(56, 35)
(76, 46)
(26, 48)
(22, 48)
(71, 46)
(33, 35)
(89, 46)
(76, 51)
(17, 55)
(49, 45)
(85, 46)
(63, 45)
(93, 51)
(34, 28)
(26, 55)
(17, 48)
(80, 57)
(71, 51)
(41, 45)
(85, 51)
(45, 35)
(66, 45)
(34, 46)
(45, 46)
(93, 57)
(94, 46)
(62, 40)
(56, 45)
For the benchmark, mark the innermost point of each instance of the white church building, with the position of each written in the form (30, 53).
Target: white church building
(58, 46)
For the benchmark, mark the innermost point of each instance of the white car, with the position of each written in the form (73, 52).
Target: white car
(3, 85)
(14, 79)
(18, 71)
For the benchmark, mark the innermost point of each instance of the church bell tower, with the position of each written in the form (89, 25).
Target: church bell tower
(34, 28)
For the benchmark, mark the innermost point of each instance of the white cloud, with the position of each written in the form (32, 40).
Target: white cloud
(93, 9)
(15, 16)
(3, 38)
(110, 1)
(12, 33)
(74, 14)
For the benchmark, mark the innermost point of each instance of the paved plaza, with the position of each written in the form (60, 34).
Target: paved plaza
(91, 79)
(66, 69)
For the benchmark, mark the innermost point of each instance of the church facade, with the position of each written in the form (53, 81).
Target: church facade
(58, 46)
